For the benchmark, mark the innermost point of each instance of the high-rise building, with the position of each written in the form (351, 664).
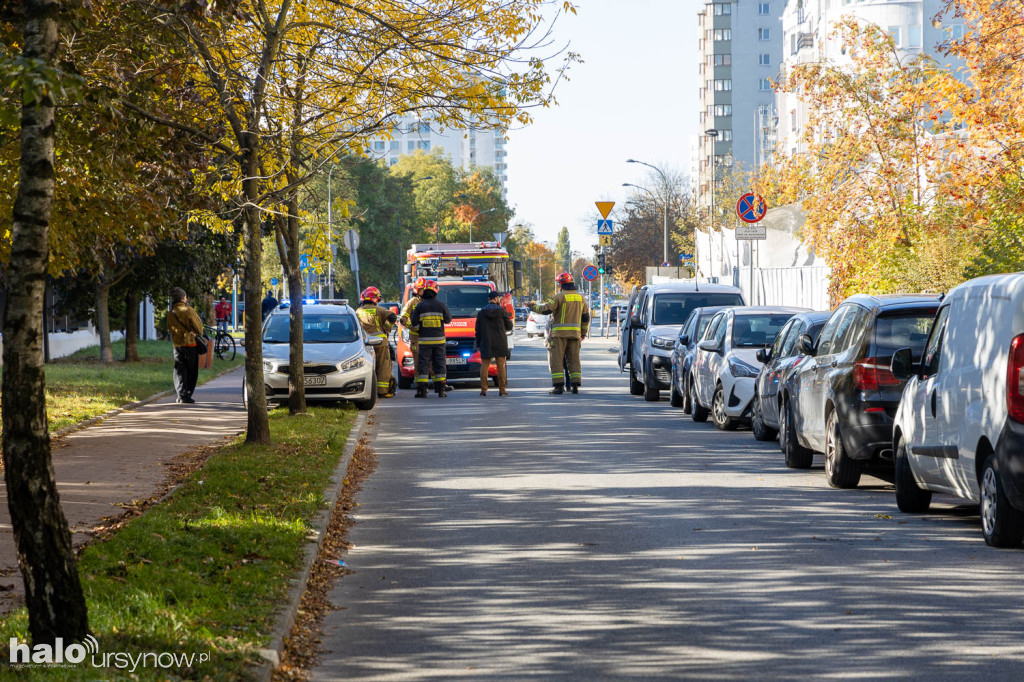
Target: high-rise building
(740, 50)
(467, 148)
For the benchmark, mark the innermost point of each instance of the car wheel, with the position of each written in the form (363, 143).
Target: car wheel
(635, 387)
(372, 400)
(1001, 524)
(757, 425)
(674, 399)
(699, 412)
(840, 471)
(718, 416)
(910, 497)
(687, 398)
(797, 456)
(651, 393)
(405, 383)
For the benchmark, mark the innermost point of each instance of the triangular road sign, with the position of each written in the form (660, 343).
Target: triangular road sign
(605, 207)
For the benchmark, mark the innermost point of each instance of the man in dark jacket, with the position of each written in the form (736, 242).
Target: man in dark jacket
(268, 304)
(429, 317)
(492, 328)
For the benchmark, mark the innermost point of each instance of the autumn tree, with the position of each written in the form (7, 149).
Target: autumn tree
(564, 250)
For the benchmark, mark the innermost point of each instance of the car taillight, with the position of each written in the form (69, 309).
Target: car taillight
(868, 375)
(1015, 380)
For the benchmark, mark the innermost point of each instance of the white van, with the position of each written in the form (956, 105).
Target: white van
(960, 423)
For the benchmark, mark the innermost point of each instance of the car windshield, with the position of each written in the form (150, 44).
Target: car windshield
(910, 330)
(675, 308)
(757, 331)
(316, 328)
(464, 300)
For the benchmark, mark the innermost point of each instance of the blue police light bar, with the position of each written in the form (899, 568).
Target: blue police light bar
(466, 355)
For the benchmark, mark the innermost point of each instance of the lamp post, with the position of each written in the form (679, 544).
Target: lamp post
(664, 180)
(477, 215)
(330, 237)
(713, 134)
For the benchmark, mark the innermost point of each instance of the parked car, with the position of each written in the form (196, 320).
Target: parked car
(778, 363)
(536, 324)
(960, 424)
(657, 311)
(337, 354)
(522, 314)
(841, 400)
(690, 334)
(726, 365)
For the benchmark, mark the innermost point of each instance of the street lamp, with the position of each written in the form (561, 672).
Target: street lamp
(477, 215)
(713, 134)
(437, 216)
(664, 180)
(330, 237)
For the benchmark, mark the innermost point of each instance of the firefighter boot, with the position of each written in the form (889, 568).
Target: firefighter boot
(557, 390)
(575, 388)
(421, 391)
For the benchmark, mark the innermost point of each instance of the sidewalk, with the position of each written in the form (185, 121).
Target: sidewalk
(123, 458)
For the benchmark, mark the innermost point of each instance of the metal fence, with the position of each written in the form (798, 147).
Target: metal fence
(804, 287)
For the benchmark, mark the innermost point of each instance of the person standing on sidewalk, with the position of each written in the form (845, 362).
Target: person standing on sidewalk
(184, 325)
(492, 328)
(569, 323)
(430, 317)
(223, 312)
(378, 321)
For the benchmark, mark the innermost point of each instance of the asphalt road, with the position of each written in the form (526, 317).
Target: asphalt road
(601, 537)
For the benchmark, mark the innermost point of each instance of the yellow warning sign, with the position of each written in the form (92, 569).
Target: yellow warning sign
(605, 240)
(605, 207)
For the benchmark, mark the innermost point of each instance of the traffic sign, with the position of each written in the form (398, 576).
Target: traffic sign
(351, 240)
(273, 281)
(605, 227)
(605, 207)
(751, 232)
(590, 273)
(604, 240)
(304, 261)
(751, 208)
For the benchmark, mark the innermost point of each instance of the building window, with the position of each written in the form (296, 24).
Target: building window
(411, 146)
(720, 34)
(764, 84)
(894, 31)
(764, 34)
(392, 161)
(378, 145)
(723, 8)
(719, 60)
(723, 110)
(725, 135)
(914, 36)
(956, 32)
(764, 8)
(764, 59)
(396, 145)
(723, 85)
(424, 144)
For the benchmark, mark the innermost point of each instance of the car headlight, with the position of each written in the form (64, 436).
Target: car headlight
(268, 366)
(664, 342)
(405, 335)
(354, 363)
(738, 368)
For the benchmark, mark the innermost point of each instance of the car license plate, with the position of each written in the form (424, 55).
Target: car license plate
(315, 380)
(455, 361)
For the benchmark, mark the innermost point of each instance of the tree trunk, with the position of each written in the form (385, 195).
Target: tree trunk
(53, 593)
(258, 427)
(103, 321)
(296, 374)
(131, 326)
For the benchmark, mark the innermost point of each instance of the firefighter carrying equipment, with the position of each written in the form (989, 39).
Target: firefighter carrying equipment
(378, 321)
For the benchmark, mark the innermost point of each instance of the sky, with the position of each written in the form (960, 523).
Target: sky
(633, 97)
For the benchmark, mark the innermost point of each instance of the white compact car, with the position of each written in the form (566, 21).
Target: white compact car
(337, 356)
(725, 367)
(959, 428)
(536, 324)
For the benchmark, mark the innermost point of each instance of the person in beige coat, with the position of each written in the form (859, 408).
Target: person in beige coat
(184, 325)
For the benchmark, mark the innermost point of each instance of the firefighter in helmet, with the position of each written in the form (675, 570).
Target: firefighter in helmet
(406, 320)
(570, 322)
(430, 316)
(378, 321)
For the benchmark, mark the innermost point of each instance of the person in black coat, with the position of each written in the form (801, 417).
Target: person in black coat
(492, 327)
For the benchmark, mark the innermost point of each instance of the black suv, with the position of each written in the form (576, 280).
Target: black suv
(841, 400)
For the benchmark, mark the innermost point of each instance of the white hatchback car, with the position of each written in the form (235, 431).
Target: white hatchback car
(536, 324)
(959, 427)
(725, 367)
(338, 360)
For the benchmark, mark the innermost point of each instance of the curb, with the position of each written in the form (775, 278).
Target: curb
(286, 620)
(92, 421)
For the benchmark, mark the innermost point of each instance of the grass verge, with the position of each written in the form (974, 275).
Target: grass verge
(205, 571)
(78, 387)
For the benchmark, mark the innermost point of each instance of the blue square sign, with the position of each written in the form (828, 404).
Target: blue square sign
(604, 227)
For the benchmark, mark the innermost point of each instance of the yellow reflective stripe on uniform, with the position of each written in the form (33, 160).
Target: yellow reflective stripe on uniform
(432, 341)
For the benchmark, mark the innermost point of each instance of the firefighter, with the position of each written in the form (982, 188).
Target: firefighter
(378, 321)
(570, 321)
(406, 320)
(430, 316)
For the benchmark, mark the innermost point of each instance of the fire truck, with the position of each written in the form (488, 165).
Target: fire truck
(466, 274)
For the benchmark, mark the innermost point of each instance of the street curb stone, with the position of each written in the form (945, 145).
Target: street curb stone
(286, 620)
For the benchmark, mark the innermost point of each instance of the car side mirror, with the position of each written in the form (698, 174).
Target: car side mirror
(636, 322)
(684, 340)
(710, 345)
(375, 341)
(805, 345)
(762, 355)
(902, 365)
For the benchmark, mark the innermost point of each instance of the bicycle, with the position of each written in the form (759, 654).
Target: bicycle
(223, 343)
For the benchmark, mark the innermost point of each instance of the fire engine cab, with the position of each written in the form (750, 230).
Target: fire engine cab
(466, 274)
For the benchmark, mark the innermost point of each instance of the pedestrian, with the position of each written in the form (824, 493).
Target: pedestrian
(406, 320)
(429, 317)
(378, 321)
(492, 328)
(223, 312)
(569, 323)
(184, 325)
(269, 304)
